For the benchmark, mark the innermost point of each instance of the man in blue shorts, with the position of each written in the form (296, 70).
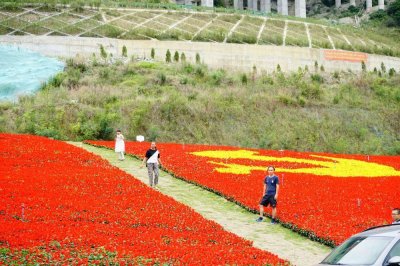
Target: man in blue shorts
(271, 190)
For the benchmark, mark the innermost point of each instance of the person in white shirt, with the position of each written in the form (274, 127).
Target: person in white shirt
(152, 160)
(120, 145)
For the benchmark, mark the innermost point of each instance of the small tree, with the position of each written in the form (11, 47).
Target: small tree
(383, 67)
(336, 75)
(168, 56)
(254, 73)
(316, 65)
(152, 53)
(322, 68)
(392, 72)
(363, 66)
(244, 78)
(197, 58)
(278, 68)
(94, 60)
(183, 57)
(103, 52)
(162, 78)
(176, 56)
(124, 51)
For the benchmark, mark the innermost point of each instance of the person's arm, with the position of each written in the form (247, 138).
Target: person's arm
(143, 162)
(159, 160)
(264, 189)
(277, 191)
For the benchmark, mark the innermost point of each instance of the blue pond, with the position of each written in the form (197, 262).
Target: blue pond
(23, 71)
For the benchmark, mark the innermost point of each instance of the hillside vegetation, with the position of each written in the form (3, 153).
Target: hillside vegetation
(307, 110)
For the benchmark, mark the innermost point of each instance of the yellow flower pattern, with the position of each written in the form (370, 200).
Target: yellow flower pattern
(330, 166)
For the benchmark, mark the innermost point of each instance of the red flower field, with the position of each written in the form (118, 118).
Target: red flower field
(324, 196)
(62, 205)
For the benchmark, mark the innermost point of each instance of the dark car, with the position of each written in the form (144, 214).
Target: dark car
(377, 246)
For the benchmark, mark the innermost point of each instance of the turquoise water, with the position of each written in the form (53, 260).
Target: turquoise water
(23, 71)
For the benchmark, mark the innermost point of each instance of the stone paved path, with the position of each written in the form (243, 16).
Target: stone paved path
(273, 238)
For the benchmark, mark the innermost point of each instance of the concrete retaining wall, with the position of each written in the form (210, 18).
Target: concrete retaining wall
(216, 55)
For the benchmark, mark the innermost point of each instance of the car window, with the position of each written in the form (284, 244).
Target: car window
(395, 251)
(358, 250)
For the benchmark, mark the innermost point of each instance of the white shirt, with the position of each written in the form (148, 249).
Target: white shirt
(153, 158)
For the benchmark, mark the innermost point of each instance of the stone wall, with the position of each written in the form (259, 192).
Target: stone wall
(216, 55)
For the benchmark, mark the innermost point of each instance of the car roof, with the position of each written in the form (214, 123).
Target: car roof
(392, 230)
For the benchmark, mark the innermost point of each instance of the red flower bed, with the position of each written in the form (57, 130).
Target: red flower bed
(345, 195)
(61, 204)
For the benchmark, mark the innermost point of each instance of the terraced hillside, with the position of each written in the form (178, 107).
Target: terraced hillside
(186, 25)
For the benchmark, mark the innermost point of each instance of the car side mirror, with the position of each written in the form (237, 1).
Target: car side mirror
(394, 261)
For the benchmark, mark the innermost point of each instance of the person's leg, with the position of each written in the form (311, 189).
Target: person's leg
(261, 210)
(263, 203)
(122, 155)
(156, 174)
(150, 173)
(261, 217)
(273, 205)
(273, 213)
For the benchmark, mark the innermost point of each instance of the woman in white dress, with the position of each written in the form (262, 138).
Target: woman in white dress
(120, 145)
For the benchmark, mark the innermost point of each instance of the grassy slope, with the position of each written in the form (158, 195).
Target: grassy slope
(93, 21)
(306, 110)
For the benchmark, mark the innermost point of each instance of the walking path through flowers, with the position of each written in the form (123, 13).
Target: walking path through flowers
(273, 238)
